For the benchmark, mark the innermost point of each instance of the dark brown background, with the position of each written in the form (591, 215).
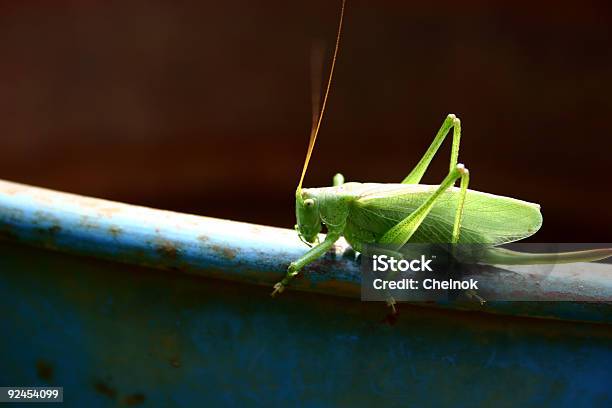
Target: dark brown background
(205, 106)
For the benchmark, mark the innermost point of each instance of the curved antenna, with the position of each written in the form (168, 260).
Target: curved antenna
(315, 129)
(316, 72)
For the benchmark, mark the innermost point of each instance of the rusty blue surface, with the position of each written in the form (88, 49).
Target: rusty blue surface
(257, 254)
(144, 307)
(115, 335)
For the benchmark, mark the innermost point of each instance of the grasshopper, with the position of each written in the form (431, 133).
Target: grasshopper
(410, 212)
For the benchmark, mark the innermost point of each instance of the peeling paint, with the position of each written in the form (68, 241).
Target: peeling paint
(88, 223)
(103, 388)
(109, 211)
(225, 252)
(115, 231)
(167, 249)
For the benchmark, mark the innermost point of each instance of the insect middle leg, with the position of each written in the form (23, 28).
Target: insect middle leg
(338, 180)
(417, 173)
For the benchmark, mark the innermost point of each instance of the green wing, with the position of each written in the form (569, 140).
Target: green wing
(487, 218)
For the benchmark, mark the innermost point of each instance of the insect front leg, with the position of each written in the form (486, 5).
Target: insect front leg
(313, 254)
(417, 173)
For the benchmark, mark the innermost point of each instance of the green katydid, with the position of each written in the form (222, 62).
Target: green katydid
(409, 212)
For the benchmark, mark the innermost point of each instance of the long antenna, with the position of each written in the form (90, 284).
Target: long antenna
(315, 129)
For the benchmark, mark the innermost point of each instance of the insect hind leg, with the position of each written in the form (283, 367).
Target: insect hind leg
(419, 170)
(403, 231)
(465, 181)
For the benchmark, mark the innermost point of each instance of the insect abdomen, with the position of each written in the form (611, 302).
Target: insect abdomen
(487, 218)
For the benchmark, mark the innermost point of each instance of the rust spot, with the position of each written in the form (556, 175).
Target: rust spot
(44, 370)
(12, 214)
(52, 230)
(227, 253)
(87, 223)
(134, 399)
(203, 238)
(46, 216)
(115, 231)
(109, 211)
(175, 362)
(167, 249)
(12, 190)
(105, 389)
(86, 201)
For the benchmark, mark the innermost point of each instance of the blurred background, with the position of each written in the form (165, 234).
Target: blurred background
(204, 107)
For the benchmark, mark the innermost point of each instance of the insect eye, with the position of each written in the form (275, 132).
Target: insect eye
(309, 202)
